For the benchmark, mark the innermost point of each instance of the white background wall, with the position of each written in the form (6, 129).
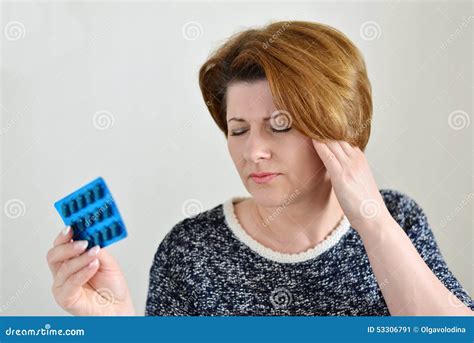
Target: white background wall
(62, 63)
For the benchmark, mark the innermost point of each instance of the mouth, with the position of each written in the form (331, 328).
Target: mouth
(262, 178)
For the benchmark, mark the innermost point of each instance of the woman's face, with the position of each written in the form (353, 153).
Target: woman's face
(261, 139)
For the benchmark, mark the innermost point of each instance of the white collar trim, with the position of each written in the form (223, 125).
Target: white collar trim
(260, 249)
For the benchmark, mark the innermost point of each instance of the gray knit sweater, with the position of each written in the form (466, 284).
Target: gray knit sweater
(208, 265)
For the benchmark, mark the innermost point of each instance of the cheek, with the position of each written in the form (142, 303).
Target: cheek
(235, 153)
(303, 160)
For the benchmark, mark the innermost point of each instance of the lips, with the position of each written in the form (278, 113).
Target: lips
(262, 174)
(263, 177)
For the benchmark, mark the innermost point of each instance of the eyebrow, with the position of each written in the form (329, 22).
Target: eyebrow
(242, 120)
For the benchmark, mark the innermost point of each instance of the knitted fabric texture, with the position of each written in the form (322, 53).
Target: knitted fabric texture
(207, 265)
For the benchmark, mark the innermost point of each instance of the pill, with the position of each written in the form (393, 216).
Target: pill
(80, 224)
(81, 203)
(115, 229)
(98, 192)
(65, 210)
(103, 236)
(97, 238)
(99, 214)
(108, 212)
(73, 206)
(108, 232)
(89, 198)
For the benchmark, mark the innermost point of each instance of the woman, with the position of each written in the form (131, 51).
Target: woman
(317, 236)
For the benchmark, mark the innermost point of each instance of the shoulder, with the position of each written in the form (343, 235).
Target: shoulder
(189, 234)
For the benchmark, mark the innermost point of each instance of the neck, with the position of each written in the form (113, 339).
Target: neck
(303, 223)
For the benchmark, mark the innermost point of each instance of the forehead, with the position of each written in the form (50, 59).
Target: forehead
(249, 99)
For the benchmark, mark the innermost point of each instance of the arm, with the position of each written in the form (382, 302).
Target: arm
(407, 283)
(410, 287)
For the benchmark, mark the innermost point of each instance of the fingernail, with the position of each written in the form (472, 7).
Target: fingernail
(94, 263)
(66, 230)
(94, 251)
(81, 245)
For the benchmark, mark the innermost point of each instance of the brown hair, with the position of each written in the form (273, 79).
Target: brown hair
(314, 71)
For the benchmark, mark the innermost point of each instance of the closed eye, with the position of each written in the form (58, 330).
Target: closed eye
(241, 132)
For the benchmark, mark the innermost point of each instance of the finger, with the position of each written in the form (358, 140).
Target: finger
(337, 150)
(348, 149)
(64, 236)
(107, 261)
(73, 265)
(327, 156)
(77, 280)
(61, 253)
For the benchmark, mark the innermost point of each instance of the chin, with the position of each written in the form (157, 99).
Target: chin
(274, 197)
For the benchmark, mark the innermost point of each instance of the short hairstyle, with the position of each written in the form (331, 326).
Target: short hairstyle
(315, 73)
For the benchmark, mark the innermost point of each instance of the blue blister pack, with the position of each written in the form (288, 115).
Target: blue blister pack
(92, 214)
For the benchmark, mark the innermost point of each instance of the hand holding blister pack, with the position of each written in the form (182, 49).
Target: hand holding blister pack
(92, 214)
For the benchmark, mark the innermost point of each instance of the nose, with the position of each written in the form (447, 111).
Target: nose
(257, 148)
